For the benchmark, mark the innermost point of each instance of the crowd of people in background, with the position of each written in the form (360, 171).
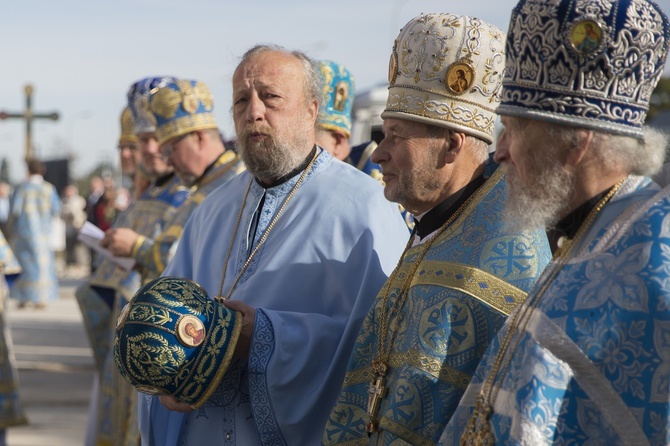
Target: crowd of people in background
(100, 207)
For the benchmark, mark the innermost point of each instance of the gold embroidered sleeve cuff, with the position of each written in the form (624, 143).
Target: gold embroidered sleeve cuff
(138, 244)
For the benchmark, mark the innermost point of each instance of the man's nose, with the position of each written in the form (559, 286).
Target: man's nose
(380, 154)
(255, 109)
(502, 148)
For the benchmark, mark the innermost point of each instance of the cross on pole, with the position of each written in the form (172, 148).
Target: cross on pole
(29, 115)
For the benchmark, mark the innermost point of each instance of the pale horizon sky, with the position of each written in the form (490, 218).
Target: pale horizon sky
(81, 56)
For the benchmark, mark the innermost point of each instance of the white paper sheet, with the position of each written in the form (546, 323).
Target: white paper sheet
(90, 235)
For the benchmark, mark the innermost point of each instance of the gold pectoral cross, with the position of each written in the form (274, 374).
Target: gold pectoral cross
(376, 393)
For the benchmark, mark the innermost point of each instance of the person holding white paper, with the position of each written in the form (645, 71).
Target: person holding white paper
(115, 281)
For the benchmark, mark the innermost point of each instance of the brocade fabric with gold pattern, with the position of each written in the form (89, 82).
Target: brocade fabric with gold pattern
(589, 362)
(469, 281)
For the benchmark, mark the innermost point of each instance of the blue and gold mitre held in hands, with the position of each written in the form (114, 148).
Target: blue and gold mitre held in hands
(338, 97)
(585, 63)
(172, 339)
(181, 107)
(138, 101)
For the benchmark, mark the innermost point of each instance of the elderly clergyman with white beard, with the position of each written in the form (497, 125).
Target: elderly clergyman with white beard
(299, 244)
(586, 358)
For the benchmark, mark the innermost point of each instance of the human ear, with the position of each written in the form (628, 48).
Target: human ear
(576, 154)
(453, 146)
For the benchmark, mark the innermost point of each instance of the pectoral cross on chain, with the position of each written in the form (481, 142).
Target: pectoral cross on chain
(376, 393)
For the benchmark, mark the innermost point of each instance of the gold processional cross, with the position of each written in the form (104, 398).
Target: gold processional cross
(29, 115)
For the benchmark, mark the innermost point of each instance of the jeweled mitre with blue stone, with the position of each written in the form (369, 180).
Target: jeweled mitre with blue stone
(586, 63)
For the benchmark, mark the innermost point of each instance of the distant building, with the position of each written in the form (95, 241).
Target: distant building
(366, 115)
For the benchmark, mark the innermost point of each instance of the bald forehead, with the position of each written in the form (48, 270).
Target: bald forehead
(269, 65)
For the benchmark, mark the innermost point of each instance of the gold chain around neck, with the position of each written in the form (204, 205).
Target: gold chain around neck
(478, 429)
(386, 337)
(219, 296)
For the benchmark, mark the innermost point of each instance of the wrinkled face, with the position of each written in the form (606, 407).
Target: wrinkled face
(128, 155)
(538, 185)
(409, 158)
(152, 160)
(182, 153)
(273, 120)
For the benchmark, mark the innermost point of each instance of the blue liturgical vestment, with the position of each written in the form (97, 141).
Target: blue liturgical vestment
(34, 204)
(154, 253)
(117, 417)
(111, 419)
(146, 216)
(471, 277)
(11, 409)
(591, 360)
(311, 283)
(360, 158)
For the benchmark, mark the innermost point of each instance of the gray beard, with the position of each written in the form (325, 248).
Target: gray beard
(271, 158)
(537, 205)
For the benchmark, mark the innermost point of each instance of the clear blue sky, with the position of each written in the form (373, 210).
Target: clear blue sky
(82, 55)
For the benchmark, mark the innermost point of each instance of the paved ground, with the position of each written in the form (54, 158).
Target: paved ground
(55, 370)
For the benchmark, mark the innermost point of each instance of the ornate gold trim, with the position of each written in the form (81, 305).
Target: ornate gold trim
(481, 285)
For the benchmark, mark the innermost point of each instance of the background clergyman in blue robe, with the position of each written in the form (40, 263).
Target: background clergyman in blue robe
(35, 202)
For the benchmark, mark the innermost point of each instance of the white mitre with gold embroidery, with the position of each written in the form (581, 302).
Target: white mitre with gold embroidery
(447, 70)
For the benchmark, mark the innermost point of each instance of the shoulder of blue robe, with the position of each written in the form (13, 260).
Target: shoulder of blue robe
(172, 192)
(317, 275)
(43, 196)
(155, 254)
(593, 359)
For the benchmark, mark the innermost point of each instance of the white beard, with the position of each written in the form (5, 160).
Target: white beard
(537, 205)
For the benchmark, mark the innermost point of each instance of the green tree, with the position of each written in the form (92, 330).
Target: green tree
(4, 171)
(660, 98)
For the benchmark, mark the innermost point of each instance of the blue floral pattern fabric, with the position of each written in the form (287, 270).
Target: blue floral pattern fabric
(592, 363)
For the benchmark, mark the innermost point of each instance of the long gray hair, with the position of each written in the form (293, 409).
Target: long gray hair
(638, 157)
